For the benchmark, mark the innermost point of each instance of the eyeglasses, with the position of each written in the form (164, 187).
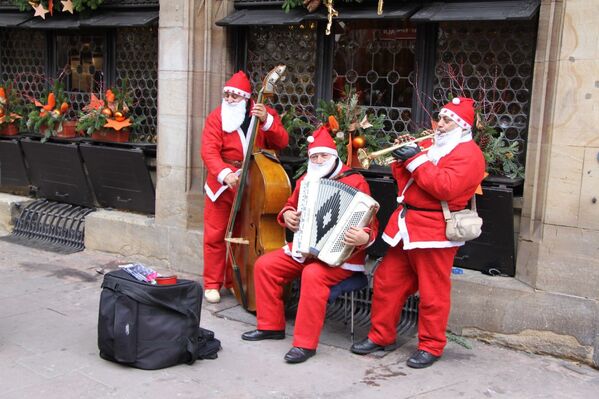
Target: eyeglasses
(232, 95)
(323, 155)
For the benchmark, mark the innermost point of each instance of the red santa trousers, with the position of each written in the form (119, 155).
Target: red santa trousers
(275, 269)
(401, 274)
(216, 219)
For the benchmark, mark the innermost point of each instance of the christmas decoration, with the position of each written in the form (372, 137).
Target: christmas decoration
(312, 5)
(112, 112)
(67, 6)
(43, 7)
(47, 119)
(10, 108)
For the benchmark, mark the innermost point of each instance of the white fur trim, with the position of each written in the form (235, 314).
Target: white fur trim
(235, 90)
(419, 160)
(455, 117)
(433, 244)
(223, 173)
(353, 267)
(214, 196)
(269, 120)
(326, 150)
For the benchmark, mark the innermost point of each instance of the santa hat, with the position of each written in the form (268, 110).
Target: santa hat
(321, 141)
(238, 84)
(461, 111)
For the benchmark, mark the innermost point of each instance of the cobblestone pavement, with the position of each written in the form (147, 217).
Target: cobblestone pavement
(48, 321)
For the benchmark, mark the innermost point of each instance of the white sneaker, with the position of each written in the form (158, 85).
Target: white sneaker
(212, 296)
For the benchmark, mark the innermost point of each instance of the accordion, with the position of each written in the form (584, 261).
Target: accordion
(328, 209)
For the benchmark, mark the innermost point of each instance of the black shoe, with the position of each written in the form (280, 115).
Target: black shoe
(365, 347)
(421, 359)
(259, 335)
(299, 355)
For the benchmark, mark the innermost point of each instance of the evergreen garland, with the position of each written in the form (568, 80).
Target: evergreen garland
(78, 5)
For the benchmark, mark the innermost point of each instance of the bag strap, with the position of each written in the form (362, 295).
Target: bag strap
(147, 299)
(447, 213)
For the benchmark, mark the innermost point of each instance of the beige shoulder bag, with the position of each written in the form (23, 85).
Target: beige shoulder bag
(464, 225)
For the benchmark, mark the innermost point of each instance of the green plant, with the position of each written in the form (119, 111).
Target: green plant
(47, 118)
(110, 112)
(499, 153)
(11, 104)
(346, 119)
(78, 5)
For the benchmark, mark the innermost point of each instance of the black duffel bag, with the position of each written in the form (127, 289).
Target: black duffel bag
(149, 326)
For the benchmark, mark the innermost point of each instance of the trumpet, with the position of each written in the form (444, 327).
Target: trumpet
(379, 158)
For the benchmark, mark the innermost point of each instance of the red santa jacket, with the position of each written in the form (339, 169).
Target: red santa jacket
(356, 180)
(421, 184)
(220, 148)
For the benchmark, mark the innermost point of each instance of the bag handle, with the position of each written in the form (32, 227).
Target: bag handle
(447, 213)
(143, 297)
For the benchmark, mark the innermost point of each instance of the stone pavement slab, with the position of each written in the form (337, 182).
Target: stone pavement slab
(48, 321)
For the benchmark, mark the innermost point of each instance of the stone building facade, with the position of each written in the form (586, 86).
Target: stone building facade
(551, 306)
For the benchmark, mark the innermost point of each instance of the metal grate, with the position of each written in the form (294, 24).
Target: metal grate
(52, 226)
(493, 64)
(294, 46)
(22, 59)
(378, 62)
(137, 63)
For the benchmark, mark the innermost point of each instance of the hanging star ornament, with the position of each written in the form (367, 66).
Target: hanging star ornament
(67, 5)
(40, 11)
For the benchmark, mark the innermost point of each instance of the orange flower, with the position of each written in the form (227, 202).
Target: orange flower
(63, 107)
(333, 124)
(110, 96)
(51, 102)
(2, 93)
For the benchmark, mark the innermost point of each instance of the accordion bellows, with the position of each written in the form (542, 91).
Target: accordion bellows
(328, 209)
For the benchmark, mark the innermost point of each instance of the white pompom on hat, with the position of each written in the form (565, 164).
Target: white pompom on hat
(239, 84)
(321, 142)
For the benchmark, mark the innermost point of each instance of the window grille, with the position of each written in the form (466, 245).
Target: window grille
(377, 60)
(493, 64)
(137, 64)
(23, 57)
(294, 46)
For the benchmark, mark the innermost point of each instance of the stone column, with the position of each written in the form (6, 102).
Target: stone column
(558, 248)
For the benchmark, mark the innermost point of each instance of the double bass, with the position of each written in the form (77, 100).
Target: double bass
(263, 188)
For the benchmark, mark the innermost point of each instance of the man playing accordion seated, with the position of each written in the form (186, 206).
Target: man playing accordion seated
(274, 270)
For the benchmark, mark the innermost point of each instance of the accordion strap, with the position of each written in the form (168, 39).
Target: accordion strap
(344, 174)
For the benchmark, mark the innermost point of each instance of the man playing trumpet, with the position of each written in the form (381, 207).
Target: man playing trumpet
(420, 256)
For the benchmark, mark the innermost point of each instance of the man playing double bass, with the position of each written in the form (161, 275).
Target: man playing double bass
(224, 144)
(275, 269)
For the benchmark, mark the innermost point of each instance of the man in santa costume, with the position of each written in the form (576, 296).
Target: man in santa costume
(420, 256)
(224, 144)
(277, 268)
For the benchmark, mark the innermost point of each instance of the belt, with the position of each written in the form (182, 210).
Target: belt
(237, 164)
(413, 208)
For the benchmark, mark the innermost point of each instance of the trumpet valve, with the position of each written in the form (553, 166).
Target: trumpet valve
(363, 158)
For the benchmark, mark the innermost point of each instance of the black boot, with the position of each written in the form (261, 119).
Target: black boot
(421, 359)
(299, 355)
(259, 335)
(365, 347)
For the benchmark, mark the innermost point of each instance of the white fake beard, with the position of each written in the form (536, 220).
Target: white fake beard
(444, 144)
(232, 115)
(316, 171)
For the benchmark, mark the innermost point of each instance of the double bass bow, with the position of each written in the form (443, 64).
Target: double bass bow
(261, 193)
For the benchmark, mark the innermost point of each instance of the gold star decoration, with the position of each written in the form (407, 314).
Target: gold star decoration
(67, 5)
(40, 11)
